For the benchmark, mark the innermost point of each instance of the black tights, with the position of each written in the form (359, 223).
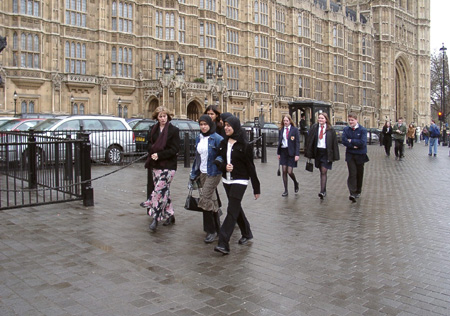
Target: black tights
(323, 179)
(288, 171)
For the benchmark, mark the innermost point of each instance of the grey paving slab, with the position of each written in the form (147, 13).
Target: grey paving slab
(387, 254)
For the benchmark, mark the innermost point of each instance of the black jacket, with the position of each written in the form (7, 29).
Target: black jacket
(167, 158)
(242, 161)
(330, 139)
(293, 141)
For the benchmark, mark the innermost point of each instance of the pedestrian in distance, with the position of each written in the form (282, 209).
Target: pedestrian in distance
(206, 172)
(288, 151)
(354, 138)
(425, 135)
(163, 148)
(387, 137)
(434, 137)
(399, 133)
(322, 146)
(411, 135)
(235, 160)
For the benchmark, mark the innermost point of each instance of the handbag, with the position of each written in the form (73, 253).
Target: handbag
(278, 171)
(191, 203)
(309, 166)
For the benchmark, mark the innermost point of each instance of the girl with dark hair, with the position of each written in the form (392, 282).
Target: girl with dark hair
(235, 160)
(207, 148)
(288, 151)
(322, 146)
(214, 113)
(164, 144)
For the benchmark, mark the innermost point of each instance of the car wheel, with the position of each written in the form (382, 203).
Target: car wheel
(114, 154)
(40, 158)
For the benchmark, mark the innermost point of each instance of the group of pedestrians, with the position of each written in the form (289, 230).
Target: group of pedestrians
(223, 153)
(399, 132)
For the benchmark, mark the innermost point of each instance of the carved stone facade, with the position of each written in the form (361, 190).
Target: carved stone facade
(371, 56)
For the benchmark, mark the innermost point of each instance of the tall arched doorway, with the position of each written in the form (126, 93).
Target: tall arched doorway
(153, 104)
(194, 110)
(404, 106)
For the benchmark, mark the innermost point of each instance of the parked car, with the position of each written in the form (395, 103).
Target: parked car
(271, 130)
(5, 119)
(133, 121)
(20, 124)
(142, 130)
(339, 129)
(110, 137)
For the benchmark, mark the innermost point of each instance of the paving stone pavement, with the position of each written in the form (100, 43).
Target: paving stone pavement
(387, 254)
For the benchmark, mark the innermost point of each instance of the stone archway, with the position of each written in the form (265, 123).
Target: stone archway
(152, 105)
(194, 110)
(404, 105)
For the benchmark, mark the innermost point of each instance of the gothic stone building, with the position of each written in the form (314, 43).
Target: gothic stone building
(119, 57)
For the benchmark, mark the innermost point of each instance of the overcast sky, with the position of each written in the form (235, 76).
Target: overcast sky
(440, 25)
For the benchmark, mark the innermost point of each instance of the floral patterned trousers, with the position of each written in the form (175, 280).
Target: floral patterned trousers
(161, 204)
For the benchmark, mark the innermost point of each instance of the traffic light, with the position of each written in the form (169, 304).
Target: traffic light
(440, 115)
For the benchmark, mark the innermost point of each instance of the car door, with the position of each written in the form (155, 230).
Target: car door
(96, 136)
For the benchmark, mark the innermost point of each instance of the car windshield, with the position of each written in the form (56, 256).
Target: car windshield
(270, 125)
(46, 125)
(143, 125)
(8, 125)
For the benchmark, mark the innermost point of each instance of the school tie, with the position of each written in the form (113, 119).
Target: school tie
(321, 132)
(287, 133)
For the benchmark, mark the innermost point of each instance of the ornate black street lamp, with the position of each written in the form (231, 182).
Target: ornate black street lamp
(219, 72)
(119, 107)
(179, 66)
(15, 103)
(206, 102)
(209, 70)
(167, 64)
(270, 112)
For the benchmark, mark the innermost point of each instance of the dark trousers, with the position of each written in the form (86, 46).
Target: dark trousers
(398, 149)
(355, 175)
(211, 222)
(387, 149)
(235, 214)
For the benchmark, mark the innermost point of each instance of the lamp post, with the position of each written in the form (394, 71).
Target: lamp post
(167, 64)
(444, 141)
(209, 70)
(72, 99)
(179, 66)
(270, 112)
(119, 107)
(15, 103)
(206, 102)
(219, 72)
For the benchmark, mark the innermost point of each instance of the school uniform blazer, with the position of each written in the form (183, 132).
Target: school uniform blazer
(331, 143)
(293, 141)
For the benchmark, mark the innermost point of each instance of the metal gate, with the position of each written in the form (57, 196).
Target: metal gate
(37, 169)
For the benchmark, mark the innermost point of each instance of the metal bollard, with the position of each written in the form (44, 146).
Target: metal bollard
(264, 149)
(186, 150)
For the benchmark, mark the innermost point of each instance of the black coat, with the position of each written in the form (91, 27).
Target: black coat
(387, 136)
(242, 161)
(330, 139)
(167, 158)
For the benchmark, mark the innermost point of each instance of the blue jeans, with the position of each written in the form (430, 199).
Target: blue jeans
(433, 144)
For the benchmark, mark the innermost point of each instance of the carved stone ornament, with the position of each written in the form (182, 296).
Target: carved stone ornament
(56, 81)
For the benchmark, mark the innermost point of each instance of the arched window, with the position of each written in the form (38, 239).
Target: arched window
(81, 108)
(31, 107)
(24, 107)
(75, 108)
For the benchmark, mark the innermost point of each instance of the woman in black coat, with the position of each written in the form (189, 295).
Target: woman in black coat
(387, 137)
(235, 160)
(322, 146)
(164, 145)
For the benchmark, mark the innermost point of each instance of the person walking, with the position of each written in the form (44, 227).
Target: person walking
(164, 145)
(387, 137)
(434, 137)
(214, 113)
(322, 146)
(235, 160)
(288, 151)
(203, 169)
(399, 133)
(354, 138)
(425, 135)
(411, 134)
